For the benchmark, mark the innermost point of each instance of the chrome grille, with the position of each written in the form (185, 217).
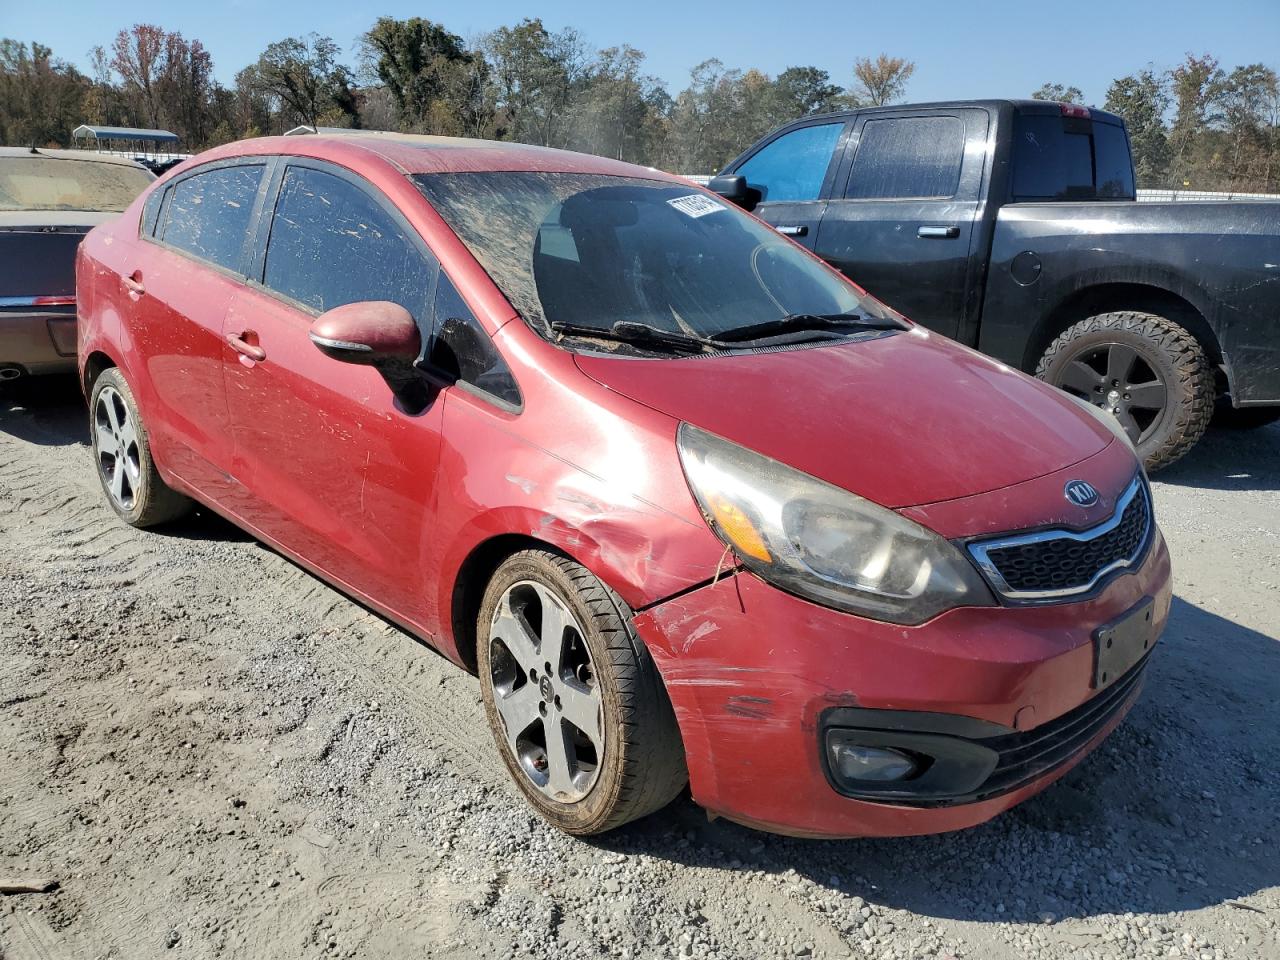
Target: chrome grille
(1052, 564)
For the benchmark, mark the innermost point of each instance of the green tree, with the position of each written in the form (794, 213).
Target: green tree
(426, 70)
(1244, 107)
(1142, 100)
(302, 75)
(619, 109)
(802, 92)
(1059, 93)
(535, 76)
(41, 98)
(1195, 83)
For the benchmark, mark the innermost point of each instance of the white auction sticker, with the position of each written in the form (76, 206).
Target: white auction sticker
(696, 205)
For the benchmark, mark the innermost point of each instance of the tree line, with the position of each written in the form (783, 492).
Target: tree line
(1196, 125)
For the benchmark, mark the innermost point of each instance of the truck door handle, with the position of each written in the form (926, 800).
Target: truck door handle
(793, 231)
(938, 233)
(134, 283)
(244, 348)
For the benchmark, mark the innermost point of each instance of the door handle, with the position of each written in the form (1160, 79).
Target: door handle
(938, 233)
(133, 283)
(244, 347)
(793, 231)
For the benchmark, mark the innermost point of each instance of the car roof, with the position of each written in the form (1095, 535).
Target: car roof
(90, 155)
(418, 154)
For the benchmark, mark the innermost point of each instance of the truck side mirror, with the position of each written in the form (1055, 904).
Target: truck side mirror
(735, 190)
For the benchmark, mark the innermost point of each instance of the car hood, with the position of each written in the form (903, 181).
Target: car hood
(902, 420)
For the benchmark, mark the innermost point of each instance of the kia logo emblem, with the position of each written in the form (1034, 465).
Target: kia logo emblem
(1081, 493)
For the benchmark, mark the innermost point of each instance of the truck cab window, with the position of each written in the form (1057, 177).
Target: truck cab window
(917, 157)
(793, 167)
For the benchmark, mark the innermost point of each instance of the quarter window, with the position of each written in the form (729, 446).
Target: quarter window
(793, 167)
(208, 213)
(464, 348)
(332, 244)
(150, 212)
(915, 157)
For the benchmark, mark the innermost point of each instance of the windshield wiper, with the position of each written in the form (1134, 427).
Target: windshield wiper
(630, 331)
(806, 321)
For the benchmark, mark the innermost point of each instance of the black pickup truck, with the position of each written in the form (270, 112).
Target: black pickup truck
(1011, 226)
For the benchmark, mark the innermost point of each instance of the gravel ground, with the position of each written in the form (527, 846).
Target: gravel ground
(216, 755)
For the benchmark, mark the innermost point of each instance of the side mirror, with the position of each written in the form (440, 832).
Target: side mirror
(379, 334)
(735, 190)
(372, 332)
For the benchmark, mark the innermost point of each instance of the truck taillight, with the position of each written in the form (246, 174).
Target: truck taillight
(53, 301)
(1074, 110)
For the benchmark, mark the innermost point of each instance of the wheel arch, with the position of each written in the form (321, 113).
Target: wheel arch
(94, 364)
(1114, 296)
(473, 578)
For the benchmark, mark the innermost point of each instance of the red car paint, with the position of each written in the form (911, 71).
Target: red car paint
(315, 457)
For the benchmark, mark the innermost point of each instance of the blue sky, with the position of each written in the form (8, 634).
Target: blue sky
(962, 48)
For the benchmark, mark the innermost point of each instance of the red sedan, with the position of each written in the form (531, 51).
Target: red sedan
(693, 506)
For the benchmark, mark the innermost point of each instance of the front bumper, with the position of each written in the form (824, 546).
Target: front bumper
(38, 340)
(756, 676)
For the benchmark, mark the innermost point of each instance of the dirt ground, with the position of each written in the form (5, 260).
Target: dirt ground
(216, 755)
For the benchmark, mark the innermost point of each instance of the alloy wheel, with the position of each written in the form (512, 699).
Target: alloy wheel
(115, 443)
(1117, 378)
(546, 691)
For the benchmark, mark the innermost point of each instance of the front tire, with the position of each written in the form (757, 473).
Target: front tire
(1148, 371)
(133, 486)
(576, 706)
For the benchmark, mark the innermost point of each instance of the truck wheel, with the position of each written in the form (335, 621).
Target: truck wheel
(120, 450)
(1149, 372)
(1243, 418)
(577, 708)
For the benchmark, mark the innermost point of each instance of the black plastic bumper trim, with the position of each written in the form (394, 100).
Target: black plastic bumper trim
(956, 749)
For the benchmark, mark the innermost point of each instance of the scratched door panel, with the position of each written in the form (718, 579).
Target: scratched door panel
(329, 467)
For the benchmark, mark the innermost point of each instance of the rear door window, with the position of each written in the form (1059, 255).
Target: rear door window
(793, 167)
(208, 214)
(907, 157)
(332, 243)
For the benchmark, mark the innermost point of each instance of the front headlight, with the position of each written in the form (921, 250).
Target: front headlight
(824, 543)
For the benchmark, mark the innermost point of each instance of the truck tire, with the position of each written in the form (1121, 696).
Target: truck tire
(577, 709)
(122, 455)
(1147, 370)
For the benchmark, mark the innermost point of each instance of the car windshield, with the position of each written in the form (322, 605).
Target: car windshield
(58, 183)
(584, 252)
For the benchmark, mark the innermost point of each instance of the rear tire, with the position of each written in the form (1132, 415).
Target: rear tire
(542, 607)
(1147, 370)
(134, 488)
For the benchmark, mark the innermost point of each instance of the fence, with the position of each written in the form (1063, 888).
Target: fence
(1160, 195)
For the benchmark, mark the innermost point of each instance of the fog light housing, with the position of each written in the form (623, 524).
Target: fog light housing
(856, 762)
